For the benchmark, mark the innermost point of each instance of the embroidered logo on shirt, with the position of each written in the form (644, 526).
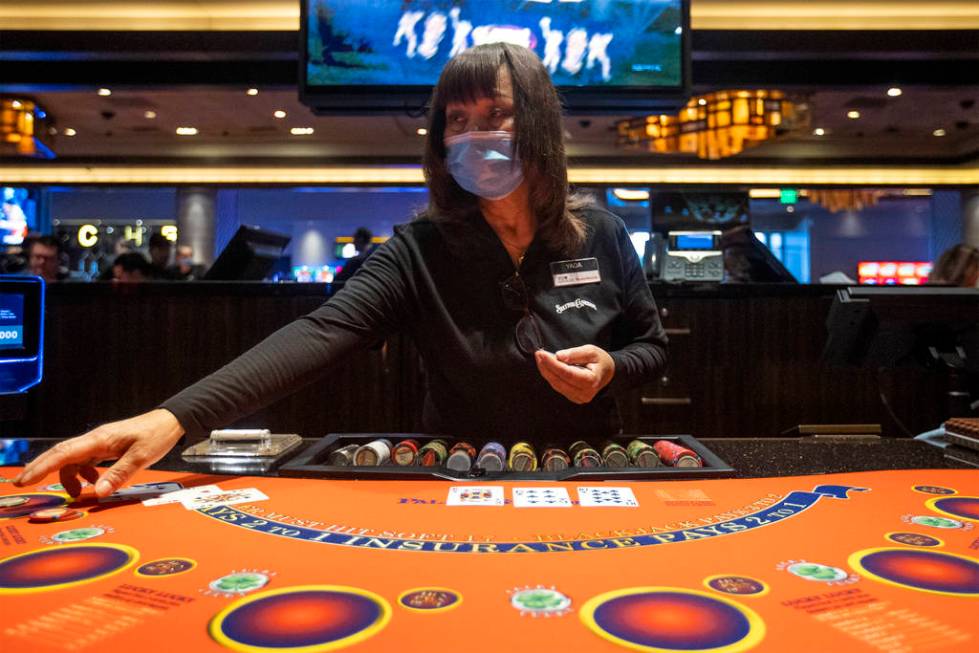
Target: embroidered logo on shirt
(578, 303)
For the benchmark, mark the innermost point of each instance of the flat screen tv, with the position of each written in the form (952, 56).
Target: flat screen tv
(384, 56)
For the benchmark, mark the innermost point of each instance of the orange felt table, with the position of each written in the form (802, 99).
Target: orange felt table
(872, 561)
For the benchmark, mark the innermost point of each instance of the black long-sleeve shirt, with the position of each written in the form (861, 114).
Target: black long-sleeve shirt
(440, 283)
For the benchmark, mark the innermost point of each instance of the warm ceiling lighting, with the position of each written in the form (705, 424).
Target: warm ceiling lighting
(149, 115)
(301, 131)
(819, 131)
(421, 131)
(104, 92)
(894, 92)
(69, 131)
(280, 114)
(853, 115)
(252, 91)
(187, 131)
(716, 125)
(631, 194)
(938, 132)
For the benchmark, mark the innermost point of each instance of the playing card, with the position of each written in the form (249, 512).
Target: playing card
(178, 496)
(141, 491)
(224, 498)
(612, 497)
(541, 497)
(470, 495)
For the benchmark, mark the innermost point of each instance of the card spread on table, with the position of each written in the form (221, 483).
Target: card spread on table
(612, 497)
(141, 491)
(179, 495)
(224, 498)
(470, 495)
(541, 497)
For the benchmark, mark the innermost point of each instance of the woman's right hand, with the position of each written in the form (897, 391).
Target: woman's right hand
(134, 443)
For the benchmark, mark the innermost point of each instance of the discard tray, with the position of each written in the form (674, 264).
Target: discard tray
(313, 463)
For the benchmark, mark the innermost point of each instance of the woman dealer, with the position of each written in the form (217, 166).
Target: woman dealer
(527, 303)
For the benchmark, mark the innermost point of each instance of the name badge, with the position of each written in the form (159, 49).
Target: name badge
(575, 272)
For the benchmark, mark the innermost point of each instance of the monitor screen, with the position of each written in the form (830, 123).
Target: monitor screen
(250, 255)
(21, 332)
(696, 242)
(386, 54)
(11, 321)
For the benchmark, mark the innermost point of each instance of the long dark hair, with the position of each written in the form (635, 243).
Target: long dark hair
(539, 141)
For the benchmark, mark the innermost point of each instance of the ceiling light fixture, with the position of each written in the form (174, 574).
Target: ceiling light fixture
(149, 115)
(421, 131)
(104, 92)
(716, 125)
(819, 131)
(938, 132)
(280, 114)
(187, 131)
(69, 131)
(894, 92)
(252, 91)
(301, 131)
(853, 115)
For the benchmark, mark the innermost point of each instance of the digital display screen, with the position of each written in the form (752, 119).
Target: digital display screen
(588, 43)
(11, 321)
(693, 241)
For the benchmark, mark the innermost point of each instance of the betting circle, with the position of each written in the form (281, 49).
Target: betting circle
(666, 619)
(63, 566)
(307, 618)
(430, 599)
(936, 572)
(961, 507)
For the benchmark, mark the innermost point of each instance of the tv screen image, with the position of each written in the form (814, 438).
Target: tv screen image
(589, 44)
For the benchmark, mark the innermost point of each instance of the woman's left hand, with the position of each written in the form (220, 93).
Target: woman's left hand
(577, 373)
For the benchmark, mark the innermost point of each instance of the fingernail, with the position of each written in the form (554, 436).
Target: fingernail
(103, 488)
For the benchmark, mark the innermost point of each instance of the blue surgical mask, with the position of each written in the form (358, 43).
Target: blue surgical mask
(484, 163)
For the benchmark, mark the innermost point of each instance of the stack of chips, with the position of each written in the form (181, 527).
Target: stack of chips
(461, 457)
(433, 453)
(492, 457)
(405, 453)
(522, 458)
(583, 455)
(374, 453)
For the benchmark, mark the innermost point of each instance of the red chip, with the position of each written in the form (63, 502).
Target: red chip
(55, 514)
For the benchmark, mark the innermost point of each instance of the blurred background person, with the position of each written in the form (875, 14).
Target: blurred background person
(131, 268)
(957, 266)
(44, 255)
(362, 241)
(184, 268)
(160, 251)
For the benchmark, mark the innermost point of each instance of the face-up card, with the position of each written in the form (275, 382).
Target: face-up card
(469, 495)
(224, 498)
(141, 491)
(179, 495)
(611, 497)
(541, 497)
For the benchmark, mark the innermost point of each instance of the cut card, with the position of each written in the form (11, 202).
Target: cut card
(179, 495)
(469, 495)
(224, 498)
(541, 497)
(141, 491)
(610, 497)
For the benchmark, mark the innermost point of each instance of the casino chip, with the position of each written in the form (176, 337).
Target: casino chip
(10, 502)
(48, 515)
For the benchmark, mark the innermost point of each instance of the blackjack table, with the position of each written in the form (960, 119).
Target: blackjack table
(842, 547)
